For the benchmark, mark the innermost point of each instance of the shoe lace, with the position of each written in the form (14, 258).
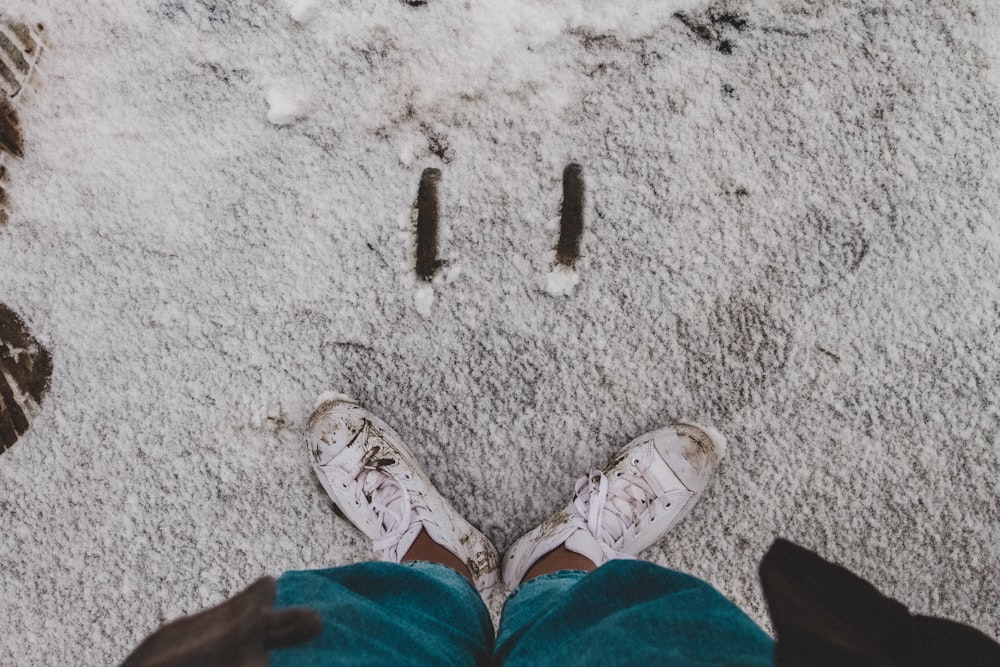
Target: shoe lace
(388, 497)
(609, 513)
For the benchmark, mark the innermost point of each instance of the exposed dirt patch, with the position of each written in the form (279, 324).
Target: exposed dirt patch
(427, 224)
(10, 130)
(21, 48)
(25, 370)
(437, 143)
(571, 223)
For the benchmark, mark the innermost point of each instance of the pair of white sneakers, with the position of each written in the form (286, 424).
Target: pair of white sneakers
(644, 491)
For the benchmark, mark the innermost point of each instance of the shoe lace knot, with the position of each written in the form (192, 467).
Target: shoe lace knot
(387, 494)
(610, 511)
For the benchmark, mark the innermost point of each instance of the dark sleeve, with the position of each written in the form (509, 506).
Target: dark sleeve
(824, 615)
(239, 632)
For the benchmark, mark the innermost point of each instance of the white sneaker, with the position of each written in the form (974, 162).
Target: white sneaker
(374, 479)
(643, 492)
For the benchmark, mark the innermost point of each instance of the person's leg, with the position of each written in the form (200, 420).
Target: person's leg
(414, 613)
(625, 612)
(423, 605)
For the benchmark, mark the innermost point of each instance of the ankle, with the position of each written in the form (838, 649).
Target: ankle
(426, 549)
(556, 560)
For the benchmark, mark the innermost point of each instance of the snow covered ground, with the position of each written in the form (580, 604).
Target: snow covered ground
(791, 233)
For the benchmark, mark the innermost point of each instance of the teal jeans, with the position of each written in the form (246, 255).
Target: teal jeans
(623, 613)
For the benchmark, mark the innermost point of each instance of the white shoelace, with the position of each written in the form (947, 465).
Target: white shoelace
(388, 497)
(609, 516)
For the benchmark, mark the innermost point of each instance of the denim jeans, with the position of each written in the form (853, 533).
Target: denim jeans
(623, 613)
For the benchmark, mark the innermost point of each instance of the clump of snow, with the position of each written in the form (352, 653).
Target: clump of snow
(407, 153)
(285, 108)
(424, 299)
(303, 11)
(561, 281)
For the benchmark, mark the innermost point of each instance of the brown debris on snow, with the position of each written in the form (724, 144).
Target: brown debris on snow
(25, 370)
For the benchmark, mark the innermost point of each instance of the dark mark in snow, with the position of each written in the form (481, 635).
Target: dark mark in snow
(703, 31)
(20, 49)
(427, 224)
(829, 354)
(437, 143)
(709, 27)
(736, 349)
(10, 130)
(728, 18)
(571, 223)
(354, 345)
(225, 75)
(596, 41)
(25, 370)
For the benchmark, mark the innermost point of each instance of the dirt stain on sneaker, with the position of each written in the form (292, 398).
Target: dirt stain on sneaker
(552, 525)
(482, 561)
(25, 371)
(699, 447)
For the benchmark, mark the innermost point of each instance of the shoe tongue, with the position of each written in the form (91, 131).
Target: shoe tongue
(583, 543)
(660, 475)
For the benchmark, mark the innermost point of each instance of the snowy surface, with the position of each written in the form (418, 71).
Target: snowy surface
(795, 241)
(285, 107)
(561, 281)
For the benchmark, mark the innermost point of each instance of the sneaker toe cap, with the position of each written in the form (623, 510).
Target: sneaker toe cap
(332, 429)
(692, 453)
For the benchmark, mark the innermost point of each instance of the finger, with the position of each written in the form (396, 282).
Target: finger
(260, 593)
(291, 626)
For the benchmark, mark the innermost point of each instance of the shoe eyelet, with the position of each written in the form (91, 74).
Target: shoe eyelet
(635, 462)
(618, 474)
(343, 485)
(667, 505)
(652, 519)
